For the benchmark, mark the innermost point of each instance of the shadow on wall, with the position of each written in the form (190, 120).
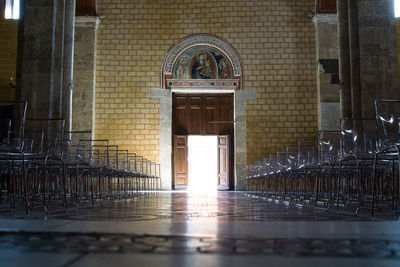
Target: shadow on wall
(398, 40)
(8, 55)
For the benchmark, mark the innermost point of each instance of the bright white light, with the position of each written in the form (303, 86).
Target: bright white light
(397, 8)
(16, 9)
(203, 163)
(7, 11)
(12, 9)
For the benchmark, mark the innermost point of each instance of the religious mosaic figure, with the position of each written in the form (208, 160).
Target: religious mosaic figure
(202, 67)
(224, 72)
(182, 71)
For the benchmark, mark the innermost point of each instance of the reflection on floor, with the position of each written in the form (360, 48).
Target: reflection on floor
(196, 229)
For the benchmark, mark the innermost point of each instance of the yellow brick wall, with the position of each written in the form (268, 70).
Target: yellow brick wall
(8, 55)
(276, 41)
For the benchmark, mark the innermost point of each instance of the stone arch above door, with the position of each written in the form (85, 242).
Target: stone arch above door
(202, 61)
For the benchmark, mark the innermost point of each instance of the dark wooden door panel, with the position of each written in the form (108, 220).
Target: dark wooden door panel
(210, 120)
(203, 114)
(180, 161)
(180, 100)
(196, 120)
(181, 119)
(195, 101)
(226, 115)
(180, 115)
(223, 162)
(211, 106)
(326, 6)
(86, 8)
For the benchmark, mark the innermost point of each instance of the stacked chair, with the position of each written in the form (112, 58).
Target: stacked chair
(354, 169)
(44, 166)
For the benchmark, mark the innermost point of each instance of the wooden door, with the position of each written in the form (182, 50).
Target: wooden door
(181, 161)
(203, 114)
(326, 6)
(223, 162)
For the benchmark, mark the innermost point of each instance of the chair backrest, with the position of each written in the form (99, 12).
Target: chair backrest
(357, 136)
(140, 164)
(71, 141)
(265, 166)
(34, 142)
(16, 112)
(258, 171)
(291, 158)
(280, 160)
(94, 150)
(328, 146)
(387, 120)
(272, 168)
(307, 152)
(53, 134)
(5, 130)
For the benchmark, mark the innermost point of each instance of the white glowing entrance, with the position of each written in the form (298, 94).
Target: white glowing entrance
(203, 163)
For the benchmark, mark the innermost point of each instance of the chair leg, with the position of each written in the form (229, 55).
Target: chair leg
(373, 185)
(338, 185)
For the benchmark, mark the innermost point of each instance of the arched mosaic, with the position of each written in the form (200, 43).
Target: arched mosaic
(202, 61)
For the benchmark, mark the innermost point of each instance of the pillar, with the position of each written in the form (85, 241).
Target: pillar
(327, 71)
(83, 98)
(378, 53)
(45, 50)
(344, 59)
(68, 61)
(354, 52)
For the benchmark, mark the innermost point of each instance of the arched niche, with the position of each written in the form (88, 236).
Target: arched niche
(202, 61)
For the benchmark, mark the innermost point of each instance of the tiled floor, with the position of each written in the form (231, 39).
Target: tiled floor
(188, 229)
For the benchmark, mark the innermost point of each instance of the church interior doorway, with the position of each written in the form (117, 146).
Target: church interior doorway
(202, 148)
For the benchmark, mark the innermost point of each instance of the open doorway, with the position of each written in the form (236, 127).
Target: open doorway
(197, 116)
(206, 158)
(203, 163)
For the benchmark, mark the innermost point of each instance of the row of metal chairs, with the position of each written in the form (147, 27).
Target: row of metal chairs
(43, 165)
(354, 168)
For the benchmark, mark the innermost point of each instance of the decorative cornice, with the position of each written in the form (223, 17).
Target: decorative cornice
(203, 83)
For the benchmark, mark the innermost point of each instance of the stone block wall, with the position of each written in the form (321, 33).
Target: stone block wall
(8, 54)
(328, 83)
(84, 73)
(276, 40)
(378, 53)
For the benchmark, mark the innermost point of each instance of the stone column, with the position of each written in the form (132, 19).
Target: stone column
(165, 158)
(84, 93)
(35, 53)
(328, 71)
(344, 59)
(241, 97)
(68, 61)
(41, 55)
(354, 59)
(378, 53)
